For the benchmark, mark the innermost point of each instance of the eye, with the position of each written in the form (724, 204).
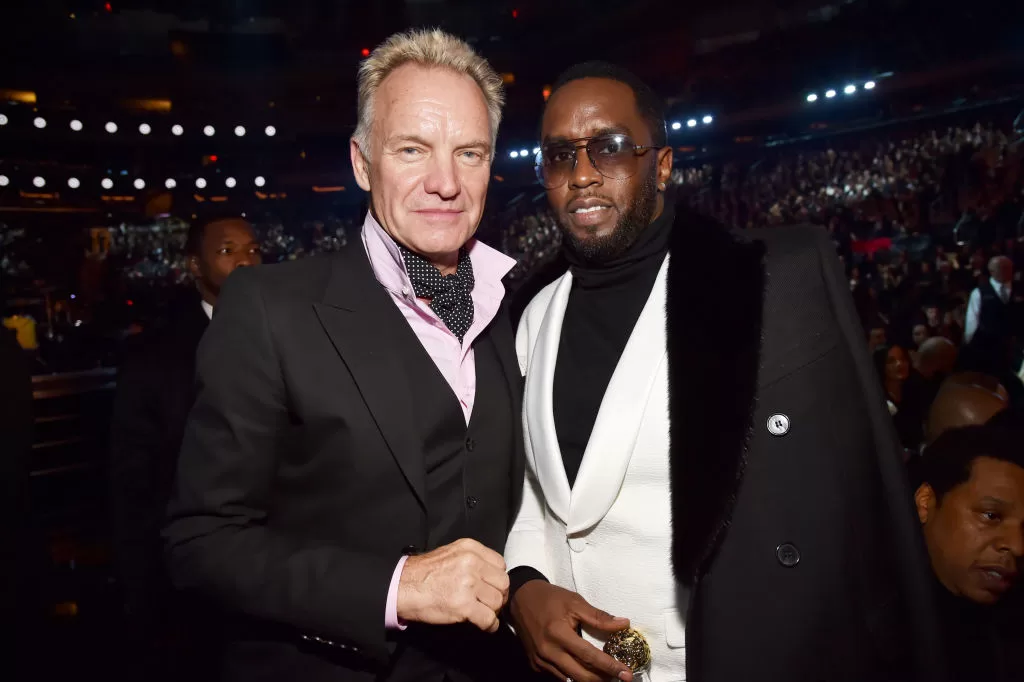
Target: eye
(473, 157)
(562, 155)
(610, 145)
(409, 151)
(993, 517)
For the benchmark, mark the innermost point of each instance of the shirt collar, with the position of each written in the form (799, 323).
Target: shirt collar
(208, 309)
(489, 265)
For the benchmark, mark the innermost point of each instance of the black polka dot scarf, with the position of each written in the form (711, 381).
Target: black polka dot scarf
(450, 295)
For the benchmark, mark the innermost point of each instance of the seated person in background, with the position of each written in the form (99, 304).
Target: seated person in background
(970, 502)
(965, 399)
(903, 396)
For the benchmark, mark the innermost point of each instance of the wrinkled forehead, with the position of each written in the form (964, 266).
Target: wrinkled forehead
(590, 107)
(424, 100)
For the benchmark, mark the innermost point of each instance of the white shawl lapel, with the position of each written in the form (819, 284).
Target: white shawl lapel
(618, 420)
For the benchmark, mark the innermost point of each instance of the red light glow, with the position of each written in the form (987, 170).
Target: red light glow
(108, 7)
(366, 52)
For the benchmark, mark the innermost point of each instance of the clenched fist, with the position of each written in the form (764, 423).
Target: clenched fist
(458, 583)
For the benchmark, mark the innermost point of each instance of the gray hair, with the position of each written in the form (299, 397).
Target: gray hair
(432, 48)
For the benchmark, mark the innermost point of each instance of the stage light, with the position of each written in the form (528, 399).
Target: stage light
(270, 131)
(169, 183)
(707, 119)
(230, 182)
(514, 155)
(111, 127)
(177, 129)
(830, 93)
(201, 183)
(139, 183)
(76, 125)
(676, 125)
(3, 120)
(73, 183)
(107, 183)
(536, 150)
(240, 131)
(145, 129)
(260, 181)
(39, 122)
(692, 123)
(39, 182)
(850, 89)
(4, 181)
(209, 131)
(523, 153)
(812, 97)
(870, 85)
(365, 52)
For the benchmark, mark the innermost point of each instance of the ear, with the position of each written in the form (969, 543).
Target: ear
(924, 500)
(664, 165)
(360, 166)
(193, 266)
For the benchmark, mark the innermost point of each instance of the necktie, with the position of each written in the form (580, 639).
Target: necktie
(450, 295)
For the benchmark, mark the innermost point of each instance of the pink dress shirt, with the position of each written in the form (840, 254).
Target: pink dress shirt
(454, 360)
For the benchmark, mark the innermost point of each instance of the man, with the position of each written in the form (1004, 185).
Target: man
(970, 503)
(993, 319)
(709, 458)
(350, 470)
(155, 391)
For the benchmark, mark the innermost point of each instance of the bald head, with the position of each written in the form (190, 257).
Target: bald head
(966, 399)
(1001, 269)
(936, 356)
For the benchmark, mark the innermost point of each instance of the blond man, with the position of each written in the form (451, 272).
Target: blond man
(351, 468)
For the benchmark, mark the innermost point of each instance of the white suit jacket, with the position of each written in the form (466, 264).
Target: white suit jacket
(608, 538)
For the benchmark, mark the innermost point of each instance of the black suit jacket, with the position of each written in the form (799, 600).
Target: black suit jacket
(300, 483)
(155, 392)
(799, 553)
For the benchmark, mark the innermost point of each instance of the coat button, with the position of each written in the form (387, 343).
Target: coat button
(787, 554)
(577, 544)
(470, 444)
(778, 425)
(471, 502)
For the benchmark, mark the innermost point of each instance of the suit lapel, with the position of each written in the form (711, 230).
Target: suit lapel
(539, 406)
(375, 341)
(610, 447)
(499, 333)
(714, 341)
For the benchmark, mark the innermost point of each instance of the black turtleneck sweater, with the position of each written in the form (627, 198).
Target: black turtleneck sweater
(604, 305)
(983, 643)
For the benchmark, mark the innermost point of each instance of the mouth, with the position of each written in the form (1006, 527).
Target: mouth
(997, 578)
(591, 211)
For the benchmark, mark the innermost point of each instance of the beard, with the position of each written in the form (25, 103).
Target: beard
(599, 250)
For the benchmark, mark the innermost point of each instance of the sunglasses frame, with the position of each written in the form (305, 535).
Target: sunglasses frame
(584, 143)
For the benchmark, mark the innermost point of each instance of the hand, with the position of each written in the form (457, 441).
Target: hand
(547, 618)
(458, 583)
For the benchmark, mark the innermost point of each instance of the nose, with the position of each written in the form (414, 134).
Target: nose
(443, 178)
(584, 173)
(1013, 541)
(244, 260)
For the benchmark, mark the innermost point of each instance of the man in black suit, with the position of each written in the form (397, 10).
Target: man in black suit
(350, 470)
(155, 391)
(709, 457)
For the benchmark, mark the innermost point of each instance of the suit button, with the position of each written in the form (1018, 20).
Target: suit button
(577, 544)
(787, 554)
(471, 502)
(470, 444)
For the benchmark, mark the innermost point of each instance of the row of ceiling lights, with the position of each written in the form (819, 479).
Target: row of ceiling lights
(676, 125)
(39, 182)
(850, 89)
(144, 128)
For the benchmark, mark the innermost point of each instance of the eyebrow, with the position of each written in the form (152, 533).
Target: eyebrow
(607, 130)
(995, 500)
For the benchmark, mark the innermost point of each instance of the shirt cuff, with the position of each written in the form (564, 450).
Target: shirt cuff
(391, 621)
(521, 575)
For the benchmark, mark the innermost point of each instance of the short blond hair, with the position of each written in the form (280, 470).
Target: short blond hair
(431, 48)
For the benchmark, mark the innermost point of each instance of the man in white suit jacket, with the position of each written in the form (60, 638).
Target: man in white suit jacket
(708, 455)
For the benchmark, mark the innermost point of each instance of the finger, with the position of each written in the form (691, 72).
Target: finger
(483, 617)
(489, 597)
(489, 556)
(496, 578)
(596, 619)
(592, 658)
(570, 668)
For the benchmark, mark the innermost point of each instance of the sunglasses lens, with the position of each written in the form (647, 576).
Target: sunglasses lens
(614, 157)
